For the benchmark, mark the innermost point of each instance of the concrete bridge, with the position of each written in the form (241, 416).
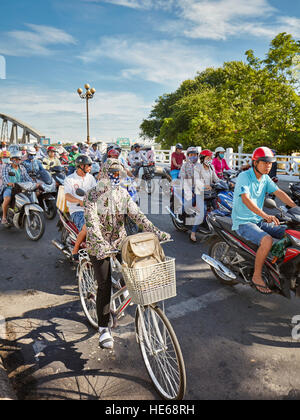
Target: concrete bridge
(10, 127)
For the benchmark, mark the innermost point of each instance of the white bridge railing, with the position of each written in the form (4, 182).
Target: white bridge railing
(288, 168)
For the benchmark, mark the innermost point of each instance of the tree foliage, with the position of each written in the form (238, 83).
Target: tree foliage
(256, 101)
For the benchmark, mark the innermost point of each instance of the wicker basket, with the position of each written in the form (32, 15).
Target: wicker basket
(151, 284)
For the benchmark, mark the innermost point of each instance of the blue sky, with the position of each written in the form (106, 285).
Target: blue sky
(130, 51)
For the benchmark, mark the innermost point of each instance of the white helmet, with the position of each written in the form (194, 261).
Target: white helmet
(220, 150)
(31, 150)
(16, 154)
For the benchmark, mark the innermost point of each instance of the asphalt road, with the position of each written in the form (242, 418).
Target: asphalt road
(236, 343)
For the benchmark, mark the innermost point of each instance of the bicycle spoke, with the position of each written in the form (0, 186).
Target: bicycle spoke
(160, 355)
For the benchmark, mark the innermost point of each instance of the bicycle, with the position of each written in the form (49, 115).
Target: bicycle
(158, 343)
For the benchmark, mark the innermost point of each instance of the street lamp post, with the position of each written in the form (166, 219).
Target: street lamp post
(89, 94)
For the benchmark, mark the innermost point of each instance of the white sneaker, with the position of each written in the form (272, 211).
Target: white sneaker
(105, 340)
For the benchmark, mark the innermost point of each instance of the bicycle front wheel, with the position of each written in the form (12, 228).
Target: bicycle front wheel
(161, 352)
(87, 285)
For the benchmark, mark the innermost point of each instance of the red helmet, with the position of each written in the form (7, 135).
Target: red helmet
(51, 149)
(263, 154)
(206, 152)
(113, 153)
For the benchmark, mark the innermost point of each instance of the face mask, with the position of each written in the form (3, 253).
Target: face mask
(208, 162)
(115, 181)
(30, 157)
(221, 155)
(193, 159)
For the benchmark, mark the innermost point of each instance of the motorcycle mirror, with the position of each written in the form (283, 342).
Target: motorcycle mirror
(80, 192)
(270, 204)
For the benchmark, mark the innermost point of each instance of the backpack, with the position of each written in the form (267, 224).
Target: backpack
(142, 250)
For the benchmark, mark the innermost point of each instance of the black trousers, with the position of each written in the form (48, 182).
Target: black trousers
(102, 270)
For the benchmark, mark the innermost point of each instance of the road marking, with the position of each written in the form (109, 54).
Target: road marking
(196, 304)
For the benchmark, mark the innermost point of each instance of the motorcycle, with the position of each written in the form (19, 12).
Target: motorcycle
(232, 258)
(24, 210)
(47, 199)
(59, 175)
(69, 232)
(180, 218)
(218, 200)
(295, 192)
(46, 196)
(146, 174)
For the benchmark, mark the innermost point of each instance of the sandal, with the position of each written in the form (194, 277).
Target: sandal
(260, 288)
(193, 240)
(105, 340)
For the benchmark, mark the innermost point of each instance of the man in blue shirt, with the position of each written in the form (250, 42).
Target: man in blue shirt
(249, 219)
(9, 181)
(35, 167)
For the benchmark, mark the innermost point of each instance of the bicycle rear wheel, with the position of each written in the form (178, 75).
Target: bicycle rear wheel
(88, 292)
(161, 352)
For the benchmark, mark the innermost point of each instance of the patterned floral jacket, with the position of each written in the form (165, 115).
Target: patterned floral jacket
(105, 207)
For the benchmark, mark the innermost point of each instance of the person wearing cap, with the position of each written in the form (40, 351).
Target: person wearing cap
(192, 185)
(4, 160)
(219, 162)
(94, 153)
(24, 152)
(105, 207)
(84, 149)
(73, 155)
(207, 171)
(80, 179)
(177, 159)
(3, 145)
(39, 152)
(248, 217)
(136, 159)
(52, 160)
(9, 181)
(35, 167)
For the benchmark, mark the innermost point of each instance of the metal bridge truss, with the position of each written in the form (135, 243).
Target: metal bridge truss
(15, 125)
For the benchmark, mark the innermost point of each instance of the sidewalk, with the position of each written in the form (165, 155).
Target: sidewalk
(6, 390)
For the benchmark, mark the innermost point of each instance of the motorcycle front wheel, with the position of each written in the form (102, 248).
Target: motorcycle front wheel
(51, 210)
(34, 225)
(221, 251)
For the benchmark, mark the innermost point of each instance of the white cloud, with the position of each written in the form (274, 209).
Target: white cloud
(138, 4)
(61, 116)
(34, 42)
(165, 62)
(235, 18)
(218, 19)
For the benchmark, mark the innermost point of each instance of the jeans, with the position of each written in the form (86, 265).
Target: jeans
(78, 219)
(256, 232)
(7, 192)
(197, 224)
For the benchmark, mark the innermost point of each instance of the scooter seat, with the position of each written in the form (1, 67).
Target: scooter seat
(226, 222)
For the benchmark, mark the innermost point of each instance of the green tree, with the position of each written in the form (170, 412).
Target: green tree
(256, 101)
